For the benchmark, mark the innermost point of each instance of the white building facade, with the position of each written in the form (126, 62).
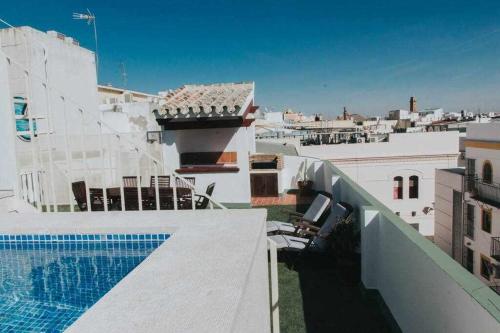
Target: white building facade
(400, 173)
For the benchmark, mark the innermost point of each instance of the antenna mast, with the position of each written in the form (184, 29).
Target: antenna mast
(123, 72)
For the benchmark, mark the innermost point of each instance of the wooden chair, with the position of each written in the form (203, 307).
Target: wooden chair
(185, 192)
(96, 197)
(165, 192)
(80, 194)
(163, 181)
(129, 181)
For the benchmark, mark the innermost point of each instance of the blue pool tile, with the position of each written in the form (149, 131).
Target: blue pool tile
(87, 270)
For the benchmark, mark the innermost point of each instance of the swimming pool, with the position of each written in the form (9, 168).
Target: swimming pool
(48, 281)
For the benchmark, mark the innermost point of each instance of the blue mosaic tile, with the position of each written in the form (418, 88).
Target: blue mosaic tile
(48, 281)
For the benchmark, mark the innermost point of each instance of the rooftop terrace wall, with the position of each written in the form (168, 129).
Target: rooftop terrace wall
(424, 288)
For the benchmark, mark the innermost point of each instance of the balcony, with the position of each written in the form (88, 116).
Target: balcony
(495, 248)
(483, 191)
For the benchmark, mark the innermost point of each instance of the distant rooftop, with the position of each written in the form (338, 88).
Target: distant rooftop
(276, 148)
(458, 171)
(222, 99)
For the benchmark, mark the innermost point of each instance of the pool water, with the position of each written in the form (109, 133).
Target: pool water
(48, 281)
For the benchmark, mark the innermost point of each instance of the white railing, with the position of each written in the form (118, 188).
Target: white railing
(273, 284)
(109, 147)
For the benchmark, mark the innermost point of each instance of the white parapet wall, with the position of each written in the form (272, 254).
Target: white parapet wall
(211, 275)
(424, 288)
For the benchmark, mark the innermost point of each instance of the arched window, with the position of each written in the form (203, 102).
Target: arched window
(413, 187)
(397, 188)
(487, 172)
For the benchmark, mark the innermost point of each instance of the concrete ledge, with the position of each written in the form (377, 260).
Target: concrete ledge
(203, 278)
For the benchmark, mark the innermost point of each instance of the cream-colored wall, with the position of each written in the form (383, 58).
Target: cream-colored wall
(446, 182)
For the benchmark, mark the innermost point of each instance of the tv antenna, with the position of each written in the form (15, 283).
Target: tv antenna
(90, 18)
(123, 72)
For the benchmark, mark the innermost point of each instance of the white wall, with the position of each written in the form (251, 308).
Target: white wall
(419, 283)
(374, 165)
(231, 187)
(70, 72)
(7, 132)
(445, 183)
(129, 117)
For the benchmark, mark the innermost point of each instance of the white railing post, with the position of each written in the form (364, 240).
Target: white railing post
(139, 187)
(103, 169)
(84, 160)
(173, 181)
(120, 174)
(157, 189)
(49, 140)
(273, 269)
(69, 156)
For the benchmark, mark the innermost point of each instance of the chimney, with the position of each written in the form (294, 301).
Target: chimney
(413, 104)
(345, 113)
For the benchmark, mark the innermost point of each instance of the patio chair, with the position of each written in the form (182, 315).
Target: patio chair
(96, 197)
(202, 201)
(80, 193)
(313, 237)
(163, 181)
(184, 192)
(312, 215)
(129, 181)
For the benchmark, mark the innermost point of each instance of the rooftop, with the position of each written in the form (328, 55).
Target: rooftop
(276, 148)
(222, 99)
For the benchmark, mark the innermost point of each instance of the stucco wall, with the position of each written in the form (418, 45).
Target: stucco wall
(231, 187)
(7, 131)
(446, 182)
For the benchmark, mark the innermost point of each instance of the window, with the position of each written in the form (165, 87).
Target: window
(469, 221)
(487, 172)
(413, 187)
(398, 213)
(413, 213)
(470, 174)
(486, 220)
(468, 261)
(485, 268)
(397, 189)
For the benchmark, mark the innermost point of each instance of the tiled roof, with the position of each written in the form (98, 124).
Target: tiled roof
(192, 101)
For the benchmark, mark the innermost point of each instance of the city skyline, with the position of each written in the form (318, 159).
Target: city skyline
(311, 57)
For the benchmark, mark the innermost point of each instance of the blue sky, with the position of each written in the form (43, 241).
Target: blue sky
(312, 56)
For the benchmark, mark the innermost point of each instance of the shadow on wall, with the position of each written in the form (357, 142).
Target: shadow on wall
(299, 168)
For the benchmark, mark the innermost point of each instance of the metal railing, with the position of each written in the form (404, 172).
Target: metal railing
(495, 248)
(82, 157)
(483, 190)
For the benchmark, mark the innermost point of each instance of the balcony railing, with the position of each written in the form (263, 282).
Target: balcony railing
(495, 248)
(484, 191)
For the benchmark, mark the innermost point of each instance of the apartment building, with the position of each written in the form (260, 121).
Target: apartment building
(467, 206)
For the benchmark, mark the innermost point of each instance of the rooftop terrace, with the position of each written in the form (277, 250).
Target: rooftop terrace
(422, 288)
